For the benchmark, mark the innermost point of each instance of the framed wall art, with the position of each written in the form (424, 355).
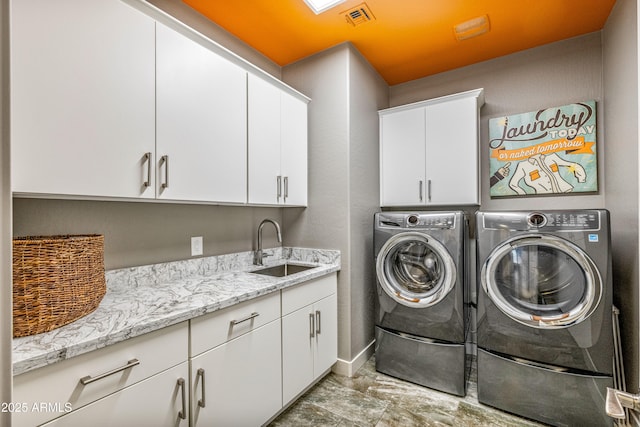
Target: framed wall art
(545, 152)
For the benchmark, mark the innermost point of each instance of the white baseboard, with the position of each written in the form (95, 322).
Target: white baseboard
(349, 368)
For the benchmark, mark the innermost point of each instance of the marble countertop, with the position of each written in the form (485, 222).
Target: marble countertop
(144, 299)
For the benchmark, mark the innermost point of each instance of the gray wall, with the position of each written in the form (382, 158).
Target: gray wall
(343, 179)
(140, 233)
(620, 39)
(368, 93)
(551, 75)
(5, 218)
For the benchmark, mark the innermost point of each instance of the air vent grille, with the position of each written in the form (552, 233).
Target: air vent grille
(358, 15)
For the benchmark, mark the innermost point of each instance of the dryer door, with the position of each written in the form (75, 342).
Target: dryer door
(542, 281)
(415, 269)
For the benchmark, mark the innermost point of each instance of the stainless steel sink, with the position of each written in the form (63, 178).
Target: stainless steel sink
(283, 270)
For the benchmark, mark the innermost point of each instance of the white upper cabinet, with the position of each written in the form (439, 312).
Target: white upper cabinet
(293, 150)
(108, 103)
(82, 98)
(429, 152)
(201, 122)
(402, 157)
(277, 145)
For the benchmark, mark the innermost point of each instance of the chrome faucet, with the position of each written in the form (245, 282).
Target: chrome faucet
(257, 259)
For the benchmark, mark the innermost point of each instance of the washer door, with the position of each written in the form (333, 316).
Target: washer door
(415, 269)
(542, 281)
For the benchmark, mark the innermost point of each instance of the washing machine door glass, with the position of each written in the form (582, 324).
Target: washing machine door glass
(542, 281)
(415, 269)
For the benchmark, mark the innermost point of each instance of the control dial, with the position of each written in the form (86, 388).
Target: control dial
(536, 219)
(413, 220)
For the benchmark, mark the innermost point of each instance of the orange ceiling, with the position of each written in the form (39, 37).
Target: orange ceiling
(408, 39)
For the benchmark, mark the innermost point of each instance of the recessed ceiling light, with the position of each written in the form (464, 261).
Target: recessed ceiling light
(319, 6)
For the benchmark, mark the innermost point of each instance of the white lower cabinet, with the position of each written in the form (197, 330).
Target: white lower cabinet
(238, 367)
(236, 371)
(238, 383)
(118, 372)
(157, 401)
(309, 334)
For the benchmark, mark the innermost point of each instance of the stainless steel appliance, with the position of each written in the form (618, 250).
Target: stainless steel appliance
(545, 340)
(421, 313)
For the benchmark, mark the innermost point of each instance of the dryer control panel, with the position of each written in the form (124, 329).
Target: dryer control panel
(548, 220)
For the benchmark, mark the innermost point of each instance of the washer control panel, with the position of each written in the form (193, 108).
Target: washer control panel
(548, 220)
(431, 221)
(417, 220)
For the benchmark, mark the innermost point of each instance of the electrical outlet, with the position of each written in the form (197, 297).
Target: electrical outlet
(196, 246)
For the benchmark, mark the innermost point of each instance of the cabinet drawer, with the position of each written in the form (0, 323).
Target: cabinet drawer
(307, 293)
(156, 401)
(216, 328)
(59, 385)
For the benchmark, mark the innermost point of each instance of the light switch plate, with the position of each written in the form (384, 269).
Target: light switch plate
(196, 246)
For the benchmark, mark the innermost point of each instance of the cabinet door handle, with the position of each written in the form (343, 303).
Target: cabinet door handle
(429, 190)
(279, 185)
(312, 329)
(200, 374)
(147, 158)
(89, 379)
(244, 319)
(420, 190)
(318, 323)
(286, 188)
(183, 413)
(165, 161)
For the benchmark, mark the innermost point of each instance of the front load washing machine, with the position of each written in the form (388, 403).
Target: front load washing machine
(545, 341)
(421, 313)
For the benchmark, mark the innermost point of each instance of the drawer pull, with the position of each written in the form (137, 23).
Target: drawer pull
(183, 413)
(200, 374)
(89, 379)
(244, 319)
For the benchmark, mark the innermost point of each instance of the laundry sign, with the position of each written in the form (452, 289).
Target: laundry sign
(549, 151)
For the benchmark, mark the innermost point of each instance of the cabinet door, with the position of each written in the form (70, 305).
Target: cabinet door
(297, 352)
(83, 95)
(294, 150)
(264, 142)
(326, 351)
(156, 401)
(402, 158)
(452, 152)
(201, 122)
(242, 380)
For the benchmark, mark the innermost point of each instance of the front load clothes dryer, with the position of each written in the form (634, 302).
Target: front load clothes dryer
(545, 340)
(420, 306)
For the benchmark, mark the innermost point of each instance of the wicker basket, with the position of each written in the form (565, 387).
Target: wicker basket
(56, 280)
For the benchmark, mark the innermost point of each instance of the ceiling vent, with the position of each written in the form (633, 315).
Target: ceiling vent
(360, 14)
